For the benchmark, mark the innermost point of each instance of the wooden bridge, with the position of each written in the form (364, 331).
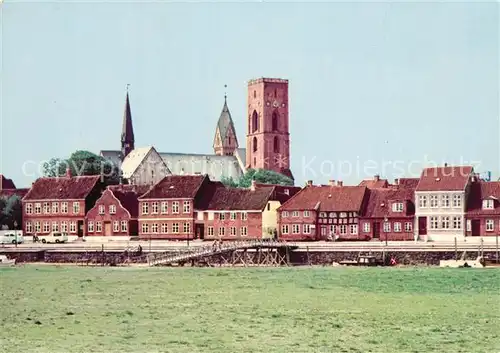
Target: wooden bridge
(242, 253)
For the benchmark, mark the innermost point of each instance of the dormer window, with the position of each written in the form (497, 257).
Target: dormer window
(488, 204)
(286, 192)
(397, 207)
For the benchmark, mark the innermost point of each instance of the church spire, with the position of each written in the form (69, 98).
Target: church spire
(225, 141)
(127, 138)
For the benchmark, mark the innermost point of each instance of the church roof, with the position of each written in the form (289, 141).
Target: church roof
(134, 160)
(225, 124)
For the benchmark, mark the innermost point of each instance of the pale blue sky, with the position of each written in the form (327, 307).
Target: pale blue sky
(373, 82)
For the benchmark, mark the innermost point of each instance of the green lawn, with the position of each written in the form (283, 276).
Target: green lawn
(68, 309)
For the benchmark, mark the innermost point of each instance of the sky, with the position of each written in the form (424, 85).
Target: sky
(374, 88)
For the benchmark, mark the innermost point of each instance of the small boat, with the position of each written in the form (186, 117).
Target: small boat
(5, 262)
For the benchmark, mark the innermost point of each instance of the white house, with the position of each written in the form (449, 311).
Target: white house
(440, 203)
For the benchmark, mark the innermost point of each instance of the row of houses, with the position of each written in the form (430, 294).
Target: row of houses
(444, 203)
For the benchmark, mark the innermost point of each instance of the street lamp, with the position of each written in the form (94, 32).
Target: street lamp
(15, 231)
(385, 230)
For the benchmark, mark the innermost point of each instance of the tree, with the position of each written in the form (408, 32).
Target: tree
(11, 212)
(83, 163)
(261, 176)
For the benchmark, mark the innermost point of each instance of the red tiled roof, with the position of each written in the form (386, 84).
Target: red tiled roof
(62, 188)
(409, 183)
(480, 191)
(379, 202)
(279, 193)
(374, 184)
(6, 183)
(10, 192)
(128, 196)
(240, 199)
(453, 178)
(175, 186)
(328, 198)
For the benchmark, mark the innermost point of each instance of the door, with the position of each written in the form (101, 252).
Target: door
(476, 227)
(200, 228)
(107, 229)
(422, 225)
(80, 228)
(376, 230)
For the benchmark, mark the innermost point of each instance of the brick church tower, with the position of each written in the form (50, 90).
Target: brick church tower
(268, 136)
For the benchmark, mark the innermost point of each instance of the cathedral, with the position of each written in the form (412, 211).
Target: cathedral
(267, 142)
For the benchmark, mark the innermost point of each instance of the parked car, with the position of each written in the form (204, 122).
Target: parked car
(54, 237)
(11, 237)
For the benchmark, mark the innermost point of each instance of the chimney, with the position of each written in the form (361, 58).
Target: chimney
(446, 164)
(396, 181)
(340, 183)
(331, 182)
(68, 172)
(309, 183)
(253, 186)
(376, 177)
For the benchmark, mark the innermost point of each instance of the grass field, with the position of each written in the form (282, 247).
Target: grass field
(68, 309)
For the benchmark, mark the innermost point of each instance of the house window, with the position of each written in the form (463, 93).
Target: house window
(124, 225)
(322, 214)
(434, 201)
(284, 229)
(164, 207)
(284, 214)
(210, 231)
(232, 230)
(46, 227)
(145, 208)
(76, 207)
(29, 227)
(307, 229)
(306, 214)
(64, 227)
(408, 227)
(222, 231)
(154, 228)
(366, 227)
(343, 214)
(295, 213)
(186, 207)
(457, 222)
(445, 201)
(244, 216)
(72, 227)
(233, 215)
(187, 227)
(154, 207)
(55, 207)
(490, 225)
(468, 225)
(98, 226)
(55, 227)
(175, 207)
(269, 206)
(116, 226)
(333, 229)
(343, 229)
(164, 228)
(112, 209)
(46, 208)
(354, 229)
(323, 231)
(397, 207)
(387, 227)
(244, 231)
(38, 227)
(222, 216)
(295, 228)
(397, 227)
(64, 207)
(175, 228)
(333, 215)
(38, 208)
(434, 222)
(445, 222)
(101, 209)
(145, 228)
(457, 200)
(488, 204)
(29, 208)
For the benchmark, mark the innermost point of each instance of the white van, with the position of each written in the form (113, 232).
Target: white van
(11, 237)
(54, 237)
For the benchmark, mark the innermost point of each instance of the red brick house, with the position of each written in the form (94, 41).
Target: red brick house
(60, 204)
(483, 209)
(323, 212)
(8, 188)
(115, 213)
(166, 211)
(390, 212)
